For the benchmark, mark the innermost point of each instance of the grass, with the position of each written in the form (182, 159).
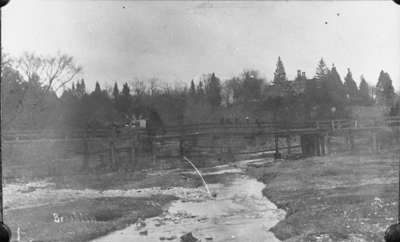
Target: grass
(333, 198)
(83, 219)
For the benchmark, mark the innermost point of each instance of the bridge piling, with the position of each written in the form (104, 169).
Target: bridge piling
(277, 155)
(317, 143)
(321, 144)
(289, 144)
(326, 144)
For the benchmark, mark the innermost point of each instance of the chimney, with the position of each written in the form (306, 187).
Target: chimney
(298, 73)
(303, 74)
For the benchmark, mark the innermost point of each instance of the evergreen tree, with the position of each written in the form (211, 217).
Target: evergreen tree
(115, 91)
(322, 70)
(125, 100)
(80, 88)
(192, 90)
(126, 91)
(395, 109)
(279, 74)
(384, 89)
(335, 87)
(363, 92)
(83, 85)
(213, 90)
(200, 90)
(97, 89)
(350, 87)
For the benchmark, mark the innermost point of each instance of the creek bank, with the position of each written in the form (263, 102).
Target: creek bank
(332, 198)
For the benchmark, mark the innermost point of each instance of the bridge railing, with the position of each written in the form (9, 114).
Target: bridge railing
(207, 128)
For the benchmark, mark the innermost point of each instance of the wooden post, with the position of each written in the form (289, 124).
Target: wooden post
(288, 143)
(277, 155)
(307, 145)
(181, 148)
(316, 145)
(321, 145)
(302, 144)
(326, 144)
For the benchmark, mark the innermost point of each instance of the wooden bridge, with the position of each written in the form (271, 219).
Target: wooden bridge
(239, 129)
(313, 136)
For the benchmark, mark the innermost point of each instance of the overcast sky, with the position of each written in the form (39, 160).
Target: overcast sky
(179, 41)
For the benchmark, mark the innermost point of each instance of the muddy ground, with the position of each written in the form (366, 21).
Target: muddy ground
(89, 206)
(333, 198)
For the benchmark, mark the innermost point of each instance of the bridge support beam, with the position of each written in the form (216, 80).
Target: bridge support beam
(351, 139)
(313, 144)
(349, 136)
(289, 144)
(326, 145)
(277, 155)
(317, 146)
(321, 142)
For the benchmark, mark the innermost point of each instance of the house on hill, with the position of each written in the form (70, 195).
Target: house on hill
(300, 82)
(295, 87)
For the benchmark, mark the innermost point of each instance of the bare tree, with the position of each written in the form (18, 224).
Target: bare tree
(39, 76)
(139, 87)
(154, 86)
(53, 71)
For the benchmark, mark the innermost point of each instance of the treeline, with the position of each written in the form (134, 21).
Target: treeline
(30, 85)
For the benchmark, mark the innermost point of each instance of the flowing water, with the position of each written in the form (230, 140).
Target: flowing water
(239, 212)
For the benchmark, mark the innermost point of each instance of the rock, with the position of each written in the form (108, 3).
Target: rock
(392, 234)
(140, 223)
(189, 238)
(171, 237)
(144, 232)
(209, 238)
(202, 219)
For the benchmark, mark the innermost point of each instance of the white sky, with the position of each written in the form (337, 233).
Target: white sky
(178, 41)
